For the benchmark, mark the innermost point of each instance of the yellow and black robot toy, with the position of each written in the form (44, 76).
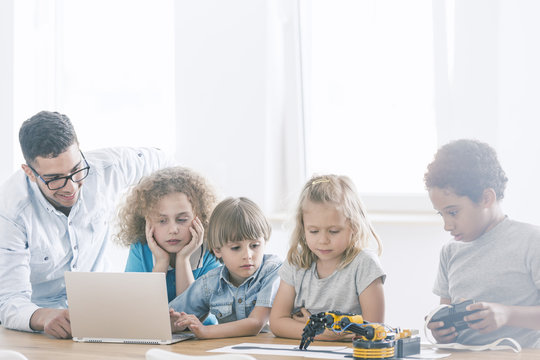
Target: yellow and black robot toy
(371, 340)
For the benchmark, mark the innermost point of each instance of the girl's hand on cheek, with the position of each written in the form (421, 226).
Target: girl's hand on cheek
(197, 235)
(162, 256)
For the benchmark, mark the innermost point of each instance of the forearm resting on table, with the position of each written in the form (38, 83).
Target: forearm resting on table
(524, 317)
(42, 315)
(37, 320)
(244, 327)
(287, 327)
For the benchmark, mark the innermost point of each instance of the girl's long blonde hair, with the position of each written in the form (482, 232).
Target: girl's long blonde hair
(340, 192)
(141, 201)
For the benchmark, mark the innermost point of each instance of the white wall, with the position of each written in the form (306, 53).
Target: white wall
(519, 94)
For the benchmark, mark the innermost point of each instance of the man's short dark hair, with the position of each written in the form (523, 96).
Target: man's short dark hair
(46, 134)
(467, 167)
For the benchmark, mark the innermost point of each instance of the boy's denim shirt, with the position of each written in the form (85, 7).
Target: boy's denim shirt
(213, 293)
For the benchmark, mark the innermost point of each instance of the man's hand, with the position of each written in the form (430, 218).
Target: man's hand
(54, 322)
(193, 323)
(443, 336)
(490, 316)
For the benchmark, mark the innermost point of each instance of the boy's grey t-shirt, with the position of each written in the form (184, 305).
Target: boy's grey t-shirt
(338, 291)
(501, 266)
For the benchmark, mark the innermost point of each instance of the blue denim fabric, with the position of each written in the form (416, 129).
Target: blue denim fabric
(213, 293)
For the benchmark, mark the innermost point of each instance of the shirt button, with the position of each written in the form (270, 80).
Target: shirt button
(75, 247)
(45, 258)
(239, 301)
(71, 223)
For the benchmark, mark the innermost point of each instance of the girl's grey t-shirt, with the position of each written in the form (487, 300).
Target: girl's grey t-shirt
(339, 291)
(502, 266)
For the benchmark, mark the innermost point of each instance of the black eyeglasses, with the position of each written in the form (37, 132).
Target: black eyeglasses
(61, 181)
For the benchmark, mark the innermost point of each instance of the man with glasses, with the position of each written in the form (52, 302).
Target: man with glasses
(54, 217)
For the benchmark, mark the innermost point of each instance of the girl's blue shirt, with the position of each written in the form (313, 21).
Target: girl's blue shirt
(140, 259)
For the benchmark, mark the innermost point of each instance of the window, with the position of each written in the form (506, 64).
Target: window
(108, 65)
(369, 94)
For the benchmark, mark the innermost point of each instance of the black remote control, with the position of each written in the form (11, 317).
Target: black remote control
(453, 315)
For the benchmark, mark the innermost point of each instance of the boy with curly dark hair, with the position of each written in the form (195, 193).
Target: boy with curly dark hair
(492, 259)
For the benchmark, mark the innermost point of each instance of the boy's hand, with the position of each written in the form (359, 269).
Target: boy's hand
(443, 336)
(490, 316)
(301, 315)
(197, 236)
(175, 316)
(193, 323)
(162, 256)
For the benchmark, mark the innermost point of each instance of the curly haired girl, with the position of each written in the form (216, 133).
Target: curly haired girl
(163, 220)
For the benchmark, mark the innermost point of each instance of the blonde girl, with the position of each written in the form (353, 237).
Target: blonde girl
(328, 266)
(163, 220)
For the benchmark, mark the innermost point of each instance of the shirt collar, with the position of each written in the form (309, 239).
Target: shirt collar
(36, 193)
(224, 274)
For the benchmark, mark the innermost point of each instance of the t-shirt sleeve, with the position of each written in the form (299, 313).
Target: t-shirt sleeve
(368, 269)
(269, 285)
(287, 273)
(533, 260)
(441, 287)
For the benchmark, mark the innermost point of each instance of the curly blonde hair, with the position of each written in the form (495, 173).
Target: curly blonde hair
(143, 198)
(340, 192)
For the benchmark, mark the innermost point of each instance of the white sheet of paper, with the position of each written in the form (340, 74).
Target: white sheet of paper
(320, 352)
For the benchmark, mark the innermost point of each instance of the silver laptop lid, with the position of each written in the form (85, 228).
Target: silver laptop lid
(118, 307)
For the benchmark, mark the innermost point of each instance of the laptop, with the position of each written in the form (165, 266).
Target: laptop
(126, 307)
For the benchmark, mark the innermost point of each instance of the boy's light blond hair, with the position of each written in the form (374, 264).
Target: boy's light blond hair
(143, 198)
(340, 192)
(234, 220)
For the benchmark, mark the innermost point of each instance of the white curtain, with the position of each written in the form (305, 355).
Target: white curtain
(238, 96)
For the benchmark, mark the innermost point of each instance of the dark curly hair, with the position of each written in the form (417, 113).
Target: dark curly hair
(46, 134)
(468, 167)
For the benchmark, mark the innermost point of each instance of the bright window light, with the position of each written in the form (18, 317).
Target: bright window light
(108, 65)
(371, 91)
